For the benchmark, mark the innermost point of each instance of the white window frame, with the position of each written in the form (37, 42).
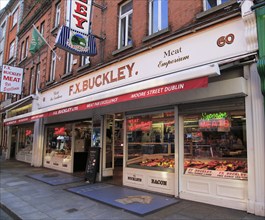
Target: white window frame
(85, 60)
(57, 14)
(22, 50)
(53, 66)
(160, 17)
(1, 58)
(11, 49)
(26, 47)
(42, 28)
(2, 31)
(15, 18)
(32, 79)
(37, 77)
(69, 63)
(126, 17)
(218, 2)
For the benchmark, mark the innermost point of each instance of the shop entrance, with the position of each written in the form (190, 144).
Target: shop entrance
(113, 149)
(82, 144)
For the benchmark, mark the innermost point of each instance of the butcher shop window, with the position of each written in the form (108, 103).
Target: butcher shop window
(215, 144)
(150, 141)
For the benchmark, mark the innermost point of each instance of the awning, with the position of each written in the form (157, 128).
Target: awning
(184, 80)
(147, 93)
(16, 104)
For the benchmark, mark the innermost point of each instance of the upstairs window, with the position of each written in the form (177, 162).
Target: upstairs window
(22, 50)
(158, 15)
(31, 81)
(26, 47)
(15, 17)
(53, 66)
(208, 4)
(69, 63)
(42, 28)
(57, 15)
(2, 31)
(84, 60)
(11, 49)
(125, 24)
(37, 78)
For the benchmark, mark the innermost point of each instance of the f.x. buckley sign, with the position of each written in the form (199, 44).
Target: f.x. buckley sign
(76, 37)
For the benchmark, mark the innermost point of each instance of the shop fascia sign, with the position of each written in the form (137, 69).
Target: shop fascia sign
(76, 37)
(11, 79)
(147, 93)
(183, 54)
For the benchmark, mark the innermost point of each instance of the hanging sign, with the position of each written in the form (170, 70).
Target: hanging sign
(80, 14)
(75, 37)
(11, 80)
(75, 42)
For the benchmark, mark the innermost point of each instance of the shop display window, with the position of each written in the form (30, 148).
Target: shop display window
(24, 143)
(58, 148)
(215, 145)
(150, 141)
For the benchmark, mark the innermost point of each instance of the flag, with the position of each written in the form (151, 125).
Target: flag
(37, 41)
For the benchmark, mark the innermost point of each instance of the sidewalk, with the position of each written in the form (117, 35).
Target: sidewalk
(26, 198)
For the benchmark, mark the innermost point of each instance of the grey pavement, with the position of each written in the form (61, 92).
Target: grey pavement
(22, 197)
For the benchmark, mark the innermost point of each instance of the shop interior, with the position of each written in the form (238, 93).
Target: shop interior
(215, 142)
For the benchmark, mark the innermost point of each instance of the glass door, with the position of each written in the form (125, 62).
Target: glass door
(108, 146)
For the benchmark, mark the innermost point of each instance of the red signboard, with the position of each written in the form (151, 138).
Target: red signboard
(147, 93)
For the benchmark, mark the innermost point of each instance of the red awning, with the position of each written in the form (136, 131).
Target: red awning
(142, 94)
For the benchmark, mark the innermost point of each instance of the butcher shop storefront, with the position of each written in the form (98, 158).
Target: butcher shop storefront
(181, 124)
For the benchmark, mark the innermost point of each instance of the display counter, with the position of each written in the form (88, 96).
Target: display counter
(59, 161)
(25, 155)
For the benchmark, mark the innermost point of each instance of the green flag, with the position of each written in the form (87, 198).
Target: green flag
(37, 41)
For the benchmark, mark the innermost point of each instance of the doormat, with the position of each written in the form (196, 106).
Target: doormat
(132, 200)
(56, 178)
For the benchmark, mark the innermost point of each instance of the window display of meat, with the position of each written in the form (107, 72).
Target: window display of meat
(164, 162)
(234, 166)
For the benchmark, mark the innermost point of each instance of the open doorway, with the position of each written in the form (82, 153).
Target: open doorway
(82, 144)
(113, 169)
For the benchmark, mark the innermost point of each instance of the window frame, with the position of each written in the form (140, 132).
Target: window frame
(53, 67)
(22, 50)
(42, 28)
(159, 16)
(69, 63)
(84, 60)
(15, 18)
(37, 77)
(11, 49)
(125, 16)
(31, 81)
(218, 2)
(57, 14)
(26, 47)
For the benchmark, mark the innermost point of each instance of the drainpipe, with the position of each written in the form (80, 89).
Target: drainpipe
(260, 15)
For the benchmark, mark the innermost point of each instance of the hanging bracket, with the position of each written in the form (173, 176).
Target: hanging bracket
(99, 6)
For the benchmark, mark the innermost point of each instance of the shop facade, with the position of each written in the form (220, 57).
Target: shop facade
(185, 124)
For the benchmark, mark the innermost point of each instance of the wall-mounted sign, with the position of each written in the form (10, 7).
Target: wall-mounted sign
(11, 80)
(75, 42)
